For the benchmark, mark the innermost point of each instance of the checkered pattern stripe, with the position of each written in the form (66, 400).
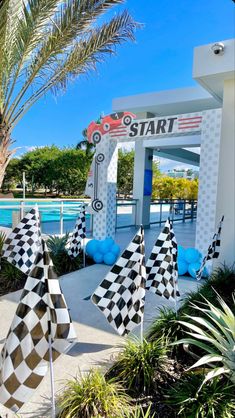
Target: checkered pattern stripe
(79, 233)
(213, 249)
(121, 295)
(161, 267)
(23, 243)
(25, 355)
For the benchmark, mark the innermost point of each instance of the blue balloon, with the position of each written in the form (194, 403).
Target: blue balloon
(192, 255)
(181, 252)
(98, 258)
(193, 269)
(182, 267)
(109, 258)
(115, 249)
(92, 247)
(109, 241)
(103, 247)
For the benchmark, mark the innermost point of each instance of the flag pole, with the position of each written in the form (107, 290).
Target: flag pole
(53, 409)
(142, 330)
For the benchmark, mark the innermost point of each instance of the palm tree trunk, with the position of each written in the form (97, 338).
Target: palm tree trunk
(5, 153)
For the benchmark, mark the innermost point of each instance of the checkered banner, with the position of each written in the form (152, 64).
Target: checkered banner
(213, 249)
(121, 295)
(79, 233)
(25, 355)
(161, 267)
(23, 243)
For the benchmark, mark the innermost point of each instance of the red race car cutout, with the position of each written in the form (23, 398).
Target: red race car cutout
(107, 124)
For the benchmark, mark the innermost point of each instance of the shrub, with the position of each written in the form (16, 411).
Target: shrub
(2, 240)
(222, 280)
(63, 263)
(214, 332)
(136, 366)
(216, 399)
(11, 278)
(166, 326)
(138, 412)
(93, 396)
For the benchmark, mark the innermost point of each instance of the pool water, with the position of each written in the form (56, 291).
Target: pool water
(48, 214)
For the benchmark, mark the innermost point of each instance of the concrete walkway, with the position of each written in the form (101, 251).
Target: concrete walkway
(97, 341)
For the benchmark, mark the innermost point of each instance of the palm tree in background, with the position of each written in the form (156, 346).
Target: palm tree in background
(46, 43)
(86, 146)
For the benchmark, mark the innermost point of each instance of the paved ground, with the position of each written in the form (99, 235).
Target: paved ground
(97, 342)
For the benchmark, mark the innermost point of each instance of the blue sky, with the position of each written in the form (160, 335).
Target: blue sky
(160, 59)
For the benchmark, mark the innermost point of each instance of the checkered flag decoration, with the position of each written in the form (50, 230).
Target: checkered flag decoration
(23, 243)
(213, 250)
(161, 267)
(25, 355)
(121, 295)
(79, 233)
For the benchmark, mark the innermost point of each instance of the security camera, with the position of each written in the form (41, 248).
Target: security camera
(218, 48)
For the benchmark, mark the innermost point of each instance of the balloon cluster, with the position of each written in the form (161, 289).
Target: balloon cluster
(189, 262)
(103, 251)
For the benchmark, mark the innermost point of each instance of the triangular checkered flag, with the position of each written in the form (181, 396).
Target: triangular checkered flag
(121, 295)
(23, 243)
(213, 249)
(25, 355)
(161, 267)
(79, 233)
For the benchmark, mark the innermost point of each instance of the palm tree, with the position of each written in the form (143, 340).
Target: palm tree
(86, 146)
(46, 43)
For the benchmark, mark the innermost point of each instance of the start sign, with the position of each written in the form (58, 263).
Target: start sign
(167, 125)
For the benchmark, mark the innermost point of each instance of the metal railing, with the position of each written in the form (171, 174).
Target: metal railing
(59, 205)
(126, 211)
(160, 210)
(176, 209)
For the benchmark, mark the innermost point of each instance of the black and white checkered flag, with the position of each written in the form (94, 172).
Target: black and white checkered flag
(23, 243)
(25, 355)
(121, 295)
(161, 267)
(213, 249)
(79, 233)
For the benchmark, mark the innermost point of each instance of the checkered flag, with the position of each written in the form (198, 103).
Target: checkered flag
(23, 243)
(161, 267)
(213, 250)
(25, 355)
(121, 295)
(79, 233)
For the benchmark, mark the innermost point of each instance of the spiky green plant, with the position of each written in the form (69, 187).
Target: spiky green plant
(46, 43)
(93, 396)
(2, 240)
(216, 399)
(165, 325)
(63, 263)
(136, 365)
(214, 332)
(138, 412)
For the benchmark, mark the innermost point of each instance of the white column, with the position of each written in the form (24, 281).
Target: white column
(104, 221)
(208, 178)
(142, 168)
(226, 180)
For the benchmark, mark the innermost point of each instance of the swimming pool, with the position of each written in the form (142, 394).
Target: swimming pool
(50, 212)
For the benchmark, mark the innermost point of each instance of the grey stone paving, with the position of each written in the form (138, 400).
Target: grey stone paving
(97, 341)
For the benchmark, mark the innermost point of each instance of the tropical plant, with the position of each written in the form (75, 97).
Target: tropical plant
(216, 399)
(213, 332)
(11, 278)
(93, 396)
(136, 365)
(86, 146)
(2, 240)
(63, 263)
(138, 412)
(46, 43)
